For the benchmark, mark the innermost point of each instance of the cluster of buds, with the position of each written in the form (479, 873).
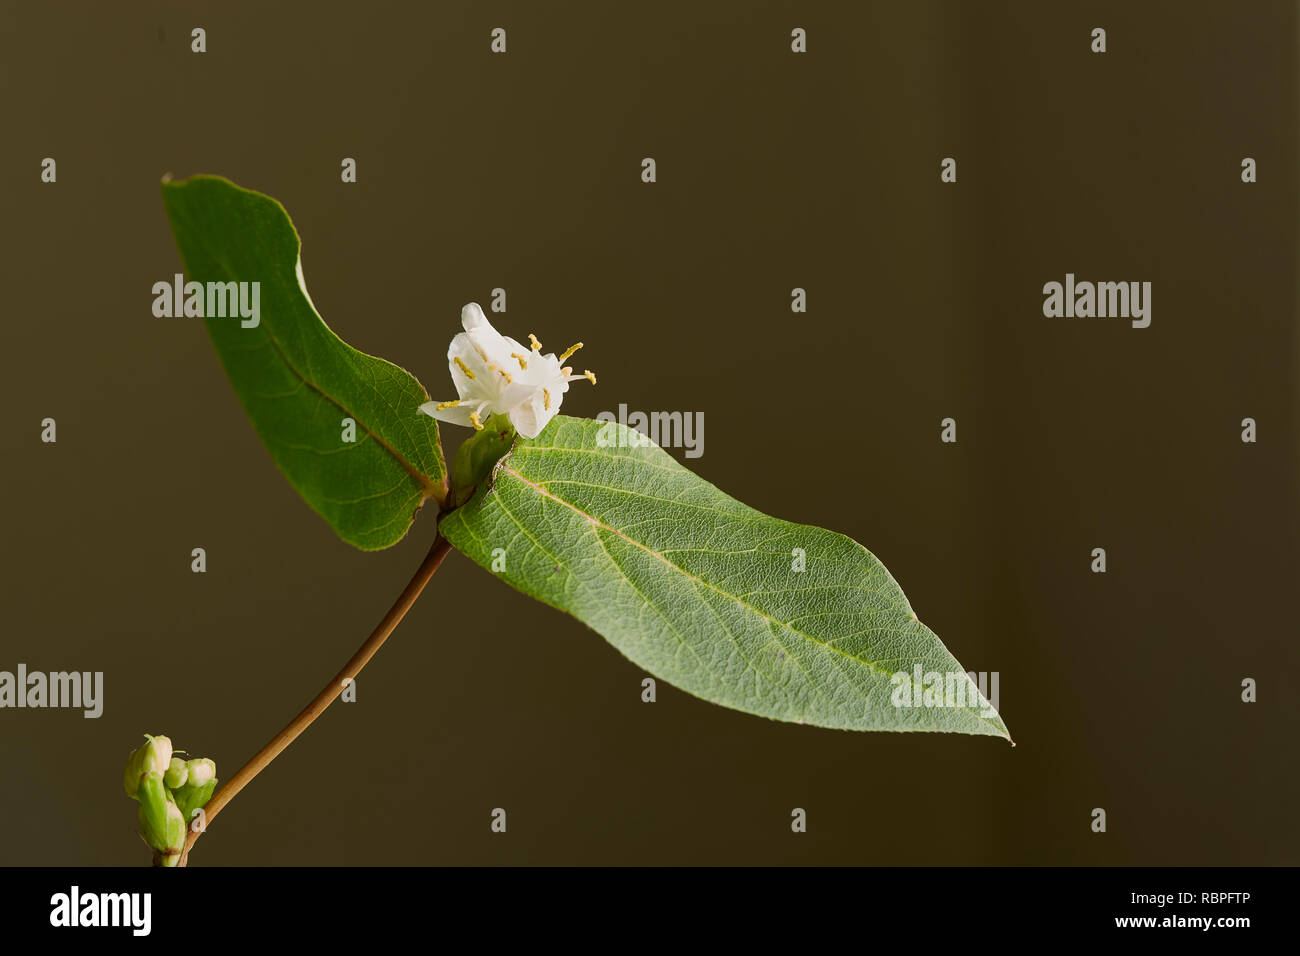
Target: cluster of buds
(170, 792)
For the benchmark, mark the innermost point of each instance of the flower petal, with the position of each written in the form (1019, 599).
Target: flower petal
(531, 416)
(472, 317)
(469, 369)
(455, 415)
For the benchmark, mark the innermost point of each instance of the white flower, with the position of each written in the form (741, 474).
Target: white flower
(494, 375)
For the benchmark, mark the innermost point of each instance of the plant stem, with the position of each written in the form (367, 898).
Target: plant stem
(328, 693)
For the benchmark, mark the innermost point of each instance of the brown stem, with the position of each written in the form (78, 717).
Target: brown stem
(328, 694)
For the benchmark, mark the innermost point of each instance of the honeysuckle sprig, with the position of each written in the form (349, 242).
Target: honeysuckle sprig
(497, 375)
(819, 616)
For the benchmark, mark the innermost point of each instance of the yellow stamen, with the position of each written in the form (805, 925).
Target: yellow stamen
(463, 367)
(520, 358)
(567, 370)
(474, 420)
(546, 399)
(504, 374)
(451, 404)
(537, 346)
(572, 349)
(589, 375)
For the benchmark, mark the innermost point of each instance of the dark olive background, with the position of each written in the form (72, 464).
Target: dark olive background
(522, 171)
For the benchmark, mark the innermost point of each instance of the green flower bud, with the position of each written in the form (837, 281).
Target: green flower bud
(161, 822)
(201, 771)
(154, 756)
(199, 787)
(176, 773)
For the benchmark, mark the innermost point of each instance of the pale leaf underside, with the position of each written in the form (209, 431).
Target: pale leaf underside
(701, 590)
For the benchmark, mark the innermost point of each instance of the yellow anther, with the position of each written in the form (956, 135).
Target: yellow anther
(546, 399)
(537, 346)
(589, 375)
(452, 404)
(520, 359)
(567, 370)
(474, 420)
(503, 373)
(463, 367)
(572, 349)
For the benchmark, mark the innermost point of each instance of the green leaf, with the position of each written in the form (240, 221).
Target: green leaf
(479, 454)
(703, 591)
(298, 381)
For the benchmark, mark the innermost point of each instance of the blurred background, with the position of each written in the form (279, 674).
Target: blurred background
(775, 170)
